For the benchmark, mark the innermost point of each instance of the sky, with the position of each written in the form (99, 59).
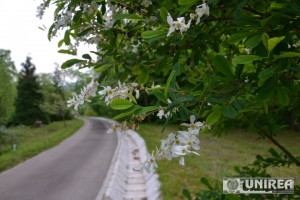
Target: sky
(19, 33)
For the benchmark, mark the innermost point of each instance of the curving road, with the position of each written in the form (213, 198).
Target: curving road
(73, 170)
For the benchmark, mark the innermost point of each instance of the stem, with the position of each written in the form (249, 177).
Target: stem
(297, 162)
(248, 8)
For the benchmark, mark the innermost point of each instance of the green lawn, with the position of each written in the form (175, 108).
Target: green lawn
(32, 141)
(218, 156)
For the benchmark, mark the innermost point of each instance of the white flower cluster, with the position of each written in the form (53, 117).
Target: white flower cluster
(64, 20)
(41, 9)
(91, 8)
(180, 24)
(162, 113)
(86, 92)
(176, 145)
(135, 46)
(122, 91)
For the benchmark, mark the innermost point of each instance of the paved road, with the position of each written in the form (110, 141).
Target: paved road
(73, 170)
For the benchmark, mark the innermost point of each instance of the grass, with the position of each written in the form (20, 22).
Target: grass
(218, 156)
(32, 141)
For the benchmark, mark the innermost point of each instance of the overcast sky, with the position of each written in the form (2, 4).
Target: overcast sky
(19, 33)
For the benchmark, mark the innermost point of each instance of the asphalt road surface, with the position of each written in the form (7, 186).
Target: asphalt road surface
(73, 170)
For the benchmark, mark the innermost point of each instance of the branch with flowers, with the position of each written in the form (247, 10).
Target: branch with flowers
(222, 63)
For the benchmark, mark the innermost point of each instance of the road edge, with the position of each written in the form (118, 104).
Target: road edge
(113, 189)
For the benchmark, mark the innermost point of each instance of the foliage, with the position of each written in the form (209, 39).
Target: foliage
(219, 157)
(8, 87)
(229, 63)
(7, 139)
(54, 95)
(29, 98)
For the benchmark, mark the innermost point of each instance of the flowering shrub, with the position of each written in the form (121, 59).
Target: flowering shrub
(228, 63)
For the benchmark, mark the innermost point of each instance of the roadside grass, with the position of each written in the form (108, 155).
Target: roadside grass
(218, 157)
(32, 141)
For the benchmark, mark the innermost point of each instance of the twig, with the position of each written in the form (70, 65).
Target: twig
(297, 162)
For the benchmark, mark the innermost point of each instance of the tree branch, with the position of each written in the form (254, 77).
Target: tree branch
(297, 162)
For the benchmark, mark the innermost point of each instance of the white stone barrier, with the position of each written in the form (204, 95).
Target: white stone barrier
(123, 182)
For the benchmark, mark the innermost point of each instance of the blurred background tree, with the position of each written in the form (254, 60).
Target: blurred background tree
(8, 90)
(29, 97)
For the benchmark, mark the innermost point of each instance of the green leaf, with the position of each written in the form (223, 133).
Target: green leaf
(265, 39)
(70, 63)
(65, 51)
(87, 56)
(163, 14)
(131, 97)
(253, 41)
(122, 16)
(60, 43)
(50, 31)
(170, 78)
(187, 194)
(246, 20)
(143, 77)
(147, 109)
(267, 90)
(264, 75)
(99, 18)
(84, 32)
(127, 112)
(237, 37)
(288, 55)
(153, 34)
(67, 39)
(282, 96)
(274, 153)
(223, 66)
(214, 116)
(77, 16)
(206, 182)
(120, 104)
(187, 2)
(160, 95)
(177, 102)
(230, 112)
(272, 42)
(245, 59)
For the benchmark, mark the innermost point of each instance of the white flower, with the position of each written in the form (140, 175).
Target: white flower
(181, 160)
(247, 50)
(193, 125)
(137, 94)
(160, 114)
(150, 164)
(181, 150)
(166, 146)
(135, 47)
(134, 84)
(189, 139)
(201, 10)
(177, 25)
(247, 79)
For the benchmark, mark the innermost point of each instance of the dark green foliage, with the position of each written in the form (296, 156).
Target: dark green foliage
(29, 97)
(7, 86)
(7, 139)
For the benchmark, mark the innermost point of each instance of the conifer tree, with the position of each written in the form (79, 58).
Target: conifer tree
(29, 98)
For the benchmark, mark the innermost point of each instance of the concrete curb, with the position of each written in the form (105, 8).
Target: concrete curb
(122, 181)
